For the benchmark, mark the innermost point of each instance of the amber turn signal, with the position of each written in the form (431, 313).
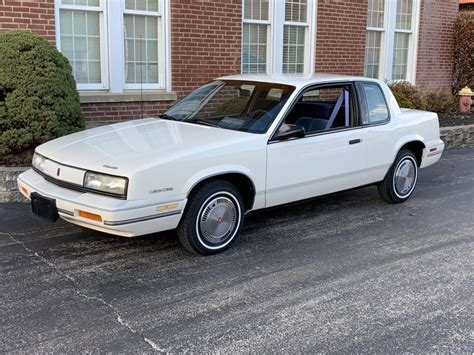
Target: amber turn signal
(88, 215)
(167, 207)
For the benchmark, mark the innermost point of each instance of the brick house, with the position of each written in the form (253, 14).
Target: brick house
(133, 57)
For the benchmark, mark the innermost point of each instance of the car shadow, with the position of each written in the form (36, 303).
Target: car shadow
(256, 226)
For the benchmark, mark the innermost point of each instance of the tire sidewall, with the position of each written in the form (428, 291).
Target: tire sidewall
(223, 189)
(403, 156)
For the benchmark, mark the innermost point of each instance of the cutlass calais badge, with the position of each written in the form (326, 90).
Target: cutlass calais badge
(164, 189)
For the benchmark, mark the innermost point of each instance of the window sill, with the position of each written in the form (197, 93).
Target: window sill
(103, 97)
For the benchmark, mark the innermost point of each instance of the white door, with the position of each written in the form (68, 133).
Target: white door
(315, 165)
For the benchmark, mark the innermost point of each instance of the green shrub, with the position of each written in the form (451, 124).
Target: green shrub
(403, 101)
(38, 96)
(408, 95)
(464, 51)
(440, 100)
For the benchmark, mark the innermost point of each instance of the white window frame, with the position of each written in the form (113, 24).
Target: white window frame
(307, 42)
(101, 9)
(269, 24)
(388, 41)
(161, 48)
(383, 40)
(276, 22)
(112, 47)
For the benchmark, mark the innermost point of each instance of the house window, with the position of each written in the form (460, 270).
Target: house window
(294, 37)
(81, 38)
(277, 36)
(141, 27)
(390, 50)
(255, 30)
(403, 33)
(132, 32)
(375, 31)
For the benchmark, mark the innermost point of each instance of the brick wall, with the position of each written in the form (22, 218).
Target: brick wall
(205, 44)
(205, 41)
(100, 113)
(436, 43)
(37, 16)
(340, 36)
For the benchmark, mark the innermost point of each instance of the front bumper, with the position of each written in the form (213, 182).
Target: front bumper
(127, 218)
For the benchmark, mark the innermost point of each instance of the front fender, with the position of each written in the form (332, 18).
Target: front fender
(216, 171)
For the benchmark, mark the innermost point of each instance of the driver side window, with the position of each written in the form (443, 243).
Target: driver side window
(323, 108)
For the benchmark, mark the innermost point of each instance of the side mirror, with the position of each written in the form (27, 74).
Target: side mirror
(288, 131)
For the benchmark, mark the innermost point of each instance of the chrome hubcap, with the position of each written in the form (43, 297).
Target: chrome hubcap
(405, 176)
(218, 220)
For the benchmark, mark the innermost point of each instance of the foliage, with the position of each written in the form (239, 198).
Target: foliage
(437, 100)
(464, 51)
(440, 101)
(408, 95)
(38, 96)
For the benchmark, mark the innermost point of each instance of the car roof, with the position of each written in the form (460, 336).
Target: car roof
(296, 80)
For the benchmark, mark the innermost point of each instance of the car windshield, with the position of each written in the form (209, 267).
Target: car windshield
(237, 105)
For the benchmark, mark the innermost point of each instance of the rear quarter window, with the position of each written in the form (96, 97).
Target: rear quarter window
(377, 110)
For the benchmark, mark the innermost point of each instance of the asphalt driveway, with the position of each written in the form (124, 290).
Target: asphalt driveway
(343, 273)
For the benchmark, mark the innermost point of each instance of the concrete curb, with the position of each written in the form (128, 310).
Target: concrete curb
(458, 136)
(8, 187)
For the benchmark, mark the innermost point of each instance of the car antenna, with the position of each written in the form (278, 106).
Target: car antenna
(141, 77)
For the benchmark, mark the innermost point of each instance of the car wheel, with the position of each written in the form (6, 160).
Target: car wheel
(400, 181)
(212, 218)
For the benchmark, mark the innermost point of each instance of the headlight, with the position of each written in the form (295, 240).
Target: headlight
(115, 185)
(38, 162)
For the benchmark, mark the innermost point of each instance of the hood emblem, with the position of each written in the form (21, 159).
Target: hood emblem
(58, 172)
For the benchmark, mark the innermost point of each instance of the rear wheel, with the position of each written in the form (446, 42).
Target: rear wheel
(212, 218)
(400, 181)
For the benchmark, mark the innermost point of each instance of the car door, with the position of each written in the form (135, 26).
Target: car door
(378, 129)
(323, 161)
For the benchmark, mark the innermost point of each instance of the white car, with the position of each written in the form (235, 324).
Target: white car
(237, 144)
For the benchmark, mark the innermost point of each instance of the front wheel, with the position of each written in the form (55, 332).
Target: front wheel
(400, 181)
(212, 218)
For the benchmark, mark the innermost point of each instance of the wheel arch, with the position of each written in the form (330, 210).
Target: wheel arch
(415, 144)
(240, 180)
(417, 148)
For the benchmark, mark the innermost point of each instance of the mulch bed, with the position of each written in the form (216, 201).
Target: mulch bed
(459, 119)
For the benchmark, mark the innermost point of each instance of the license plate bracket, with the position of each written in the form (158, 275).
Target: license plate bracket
(44, 207)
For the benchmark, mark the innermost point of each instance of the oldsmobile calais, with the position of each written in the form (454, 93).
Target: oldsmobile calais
(236, 144)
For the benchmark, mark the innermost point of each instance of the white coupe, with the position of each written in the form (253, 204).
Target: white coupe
(236, 144)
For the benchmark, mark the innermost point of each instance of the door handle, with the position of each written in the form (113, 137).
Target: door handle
(355, 141)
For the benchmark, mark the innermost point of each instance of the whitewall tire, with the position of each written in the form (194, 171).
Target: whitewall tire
(212, 219)
(401, 179)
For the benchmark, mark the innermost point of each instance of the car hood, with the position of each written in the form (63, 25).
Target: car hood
(127, 147)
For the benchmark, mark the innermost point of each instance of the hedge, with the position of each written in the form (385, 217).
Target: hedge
(38, 96)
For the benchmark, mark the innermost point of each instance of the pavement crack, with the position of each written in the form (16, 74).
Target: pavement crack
(81, 294)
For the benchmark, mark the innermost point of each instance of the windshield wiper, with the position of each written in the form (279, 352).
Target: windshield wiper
(165, 116)
(207, 123)
(203, 122)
